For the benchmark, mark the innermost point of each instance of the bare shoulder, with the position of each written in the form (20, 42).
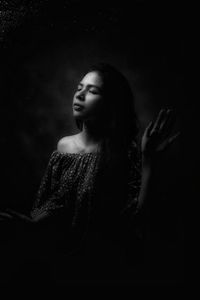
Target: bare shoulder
(66, 144)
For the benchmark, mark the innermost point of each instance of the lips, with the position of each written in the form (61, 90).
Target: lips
(77, 105)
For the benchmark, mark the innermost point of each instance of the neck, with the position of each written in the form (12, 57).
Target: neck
(91, 133)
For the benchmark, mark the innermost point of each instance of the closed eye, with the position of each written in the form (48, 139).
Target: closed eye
(93, 92)
(90, 88)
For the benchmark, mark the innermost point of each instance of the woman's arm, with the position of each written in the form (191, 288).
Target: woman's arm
(156, 138)
(146, 183)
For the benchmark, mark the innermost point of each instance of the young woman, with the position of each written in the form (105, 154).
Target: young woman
(98, 181)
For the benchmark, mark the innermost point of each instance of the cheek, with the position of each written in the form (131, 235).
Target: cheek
(95, 103)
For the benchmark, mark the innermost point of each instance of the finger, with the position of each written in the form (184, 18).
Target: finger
(17, 215)
(11, 211)
(149, 128)
(159, 120)
(174, 137)
(168, 125)
(166, 119)
(168, 142)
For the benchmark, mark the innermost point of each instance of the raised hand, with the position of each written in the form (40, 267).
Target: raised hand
(157, 136)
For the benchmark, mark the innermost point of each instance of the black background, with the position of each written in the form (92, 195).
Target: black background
(45, 48)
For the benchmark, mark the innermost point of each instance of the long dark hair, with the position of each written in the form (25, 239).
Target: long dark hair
(119, 118)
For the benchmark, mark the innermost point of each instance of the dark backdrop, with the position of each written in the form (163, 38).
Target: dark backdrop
(45, 49)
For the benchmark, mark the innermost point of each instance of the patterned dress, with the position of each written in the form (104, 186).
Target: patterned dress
(94, 207)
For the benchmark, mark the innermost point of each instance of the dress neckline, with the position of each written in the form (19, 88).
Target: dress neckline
(76, 153)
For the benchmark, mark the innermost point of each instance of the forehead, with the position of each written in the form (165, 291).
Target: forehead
(93, 78)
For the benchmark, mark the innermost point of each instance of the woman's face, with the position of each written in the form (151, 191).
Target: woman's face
(88, 99)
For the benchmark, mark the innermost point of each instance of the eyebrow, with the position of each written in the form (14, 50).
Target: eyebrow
(90, 85)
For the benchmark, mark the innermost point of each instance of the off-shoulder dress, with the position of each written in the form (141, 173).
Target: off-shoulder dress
(94, 207)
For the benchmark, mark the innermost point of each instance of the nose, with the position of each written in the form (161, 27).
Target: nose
(80, 95)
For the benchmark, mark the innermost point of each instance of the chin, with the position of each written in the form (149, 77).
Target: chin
(78, 116)
(77, 113)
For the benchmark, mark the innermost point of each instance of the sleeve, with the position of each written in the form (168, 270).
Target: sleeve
(45, 202)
